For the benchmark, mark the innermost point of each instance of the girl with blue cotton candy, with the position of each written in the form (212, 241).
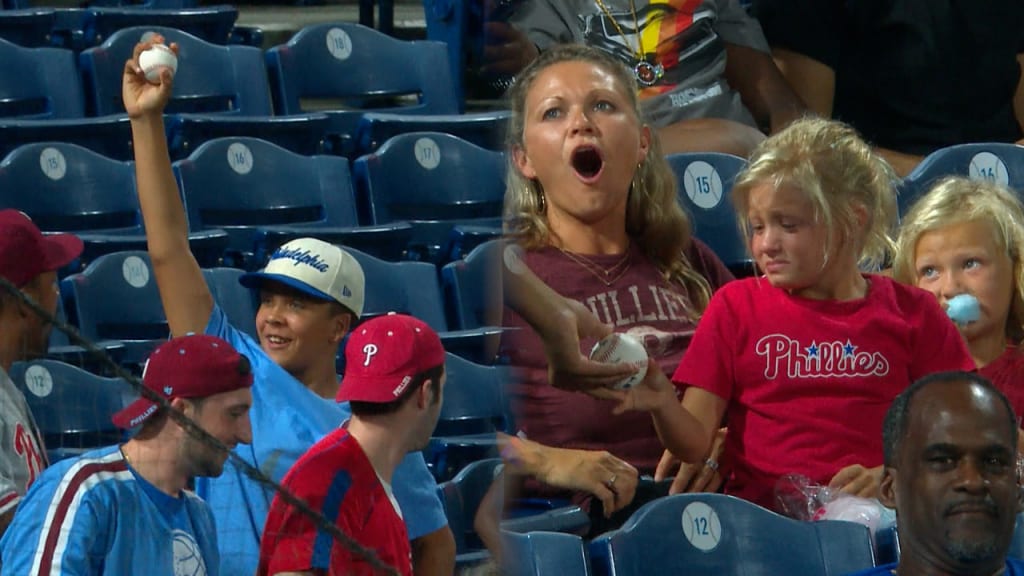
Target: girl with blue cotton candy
(962, 241)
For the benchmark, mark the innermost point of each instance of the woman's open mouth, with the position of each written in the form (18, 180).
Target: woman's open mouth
(588, 163)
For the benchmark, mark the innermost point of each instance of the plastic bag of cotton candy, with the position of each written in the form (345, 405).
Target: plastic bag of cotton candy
(798, 497)
(963, 309)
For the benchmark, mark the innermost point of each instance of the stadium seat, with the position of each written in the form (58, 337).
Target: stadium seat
(264, 195)
(110, 136)
(358, 70)
(485, 129)
(72, 407)
(212, 78)
(1000, 162)
(435, 181)
(413, 288)
(39, 83)
(726, 536)
(461, 497)
(116, 298)
(29, 28)
(155, 4)
(543, 554)
(474, 409)
(210, 23)
(63, 348)
(472, 288)
(238, 302)
(301, 133)
(68, 188)
(704, 183)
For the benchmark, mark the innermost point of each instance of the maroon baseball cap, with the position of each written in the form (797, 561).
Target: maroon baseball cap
(193, 366)
(26, 253)
(384, 354)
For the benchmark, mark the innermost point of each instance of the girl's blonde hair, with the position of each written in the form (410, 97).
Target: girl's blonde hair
(830, 163)
(957, 200)
(654, 219)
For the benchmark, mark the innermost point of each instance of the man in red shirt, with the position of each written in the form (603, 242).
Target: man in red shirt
(394, 379)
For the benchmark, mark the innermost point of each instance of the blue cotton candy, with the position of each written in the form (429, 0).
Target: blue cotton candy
(963, 309)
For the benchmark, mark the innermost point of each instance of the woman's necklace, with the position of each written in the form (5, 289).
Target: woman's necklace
(607, 276)
(647, 68)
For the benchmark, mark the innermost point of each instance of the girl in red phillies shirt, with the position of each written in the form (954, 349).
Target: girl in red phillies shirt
(804, 361)
(965, 237)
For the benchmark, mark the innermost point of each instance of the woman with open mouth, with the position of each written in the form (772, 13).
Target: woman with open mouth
(593, 204)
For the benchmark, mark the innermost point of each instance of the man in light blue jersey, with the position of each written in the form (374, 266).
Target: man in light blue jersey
(310, 294)
(124, 509)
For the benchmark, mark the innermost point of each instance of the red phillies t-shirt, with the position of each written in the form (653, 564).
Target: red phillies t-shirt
(1007, 373)
(336, 479)
(808, 382)
(642, 303)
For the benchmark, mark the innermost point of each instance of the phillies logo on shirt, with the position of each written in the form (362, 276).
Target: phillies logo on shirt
(25, 446)
(790, 358)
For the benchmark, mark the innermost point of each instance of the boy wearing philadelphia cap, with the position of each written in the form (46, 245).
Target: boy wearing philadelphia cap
(394, 380)
(28, 260)
(125, 509)
(311, 293)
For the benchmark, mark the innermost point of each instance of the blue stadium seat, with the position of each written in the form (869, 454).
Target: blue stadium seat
(474, 408)
(29, 28)
(996, 161)
(110, 136)
(155, 4)
(39, 83)
(413, 288)
(63, 348)
(543, 554)
(72, 407)
(116, 298)
(485, 129)
(461, 497)
(301, 133)
(704, 183)
(436, 181)
(210, 78)
(68, 188)
(361, 68)
(726, 536)
(238, 302)
(210, 23)
(264, 195)
(472, 288)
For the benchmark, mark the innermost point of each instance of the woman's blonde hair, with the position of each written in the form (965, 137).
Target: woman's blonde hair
(654, 219)
(830, 163)
(957, 200)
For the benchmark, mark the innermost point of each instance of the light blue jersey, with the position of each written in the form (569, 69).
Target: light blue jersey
(287, 419)
(94, 516)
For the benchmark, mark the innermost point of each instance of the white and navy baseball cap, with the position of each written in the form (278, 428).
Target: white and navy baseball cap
(317, 268)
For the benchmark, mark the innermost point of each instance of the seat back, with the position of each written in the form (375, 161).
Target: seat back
(405, 287)
(543, 554)
(723, 535)
(247, 183)
(474, 399)
(109, 135)
(39, 83)
(472, 288)
(461, 497)
(430, 176)
(999, 162)
(65, 187)
(704, 183)
(72, 407)
(210, 23)
(353, 66)
(210, 78)
(29, 28)
(116, 298)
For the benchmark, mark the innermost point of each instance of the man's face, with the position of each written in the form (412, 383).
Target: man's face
(954, 481)
(226, 417)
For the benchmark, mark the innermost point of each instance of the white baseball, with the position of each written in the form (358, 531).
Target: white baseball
(622, 348)
(156, 57)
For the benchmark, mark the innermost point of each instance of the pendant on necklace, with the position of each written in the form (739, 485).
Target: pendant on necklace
(647, 74)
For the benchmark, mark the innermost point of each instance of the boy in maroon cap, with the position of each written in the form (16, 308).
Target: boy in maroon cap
(28, 260)
(394, 381)
(125, 509)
